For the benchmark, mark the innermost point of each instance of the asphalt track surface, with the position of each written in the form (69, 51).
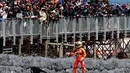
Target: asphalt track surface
(19, 64)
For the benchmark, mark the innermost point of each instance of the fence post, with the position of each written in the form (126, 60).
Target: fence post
(104, 23)
(46, 48)
(95, 55)
(118, 27)
(4, 36)
(57, 35)
(31, 30)
(80, 28)
(96, 28)
(116, 46)
(14, 33)
(112, 27)
(65, 28)
(88, 28)
(125, 25)
(40, 30)
(20, 47)
(21, 31)
(61, 50)
(74, 28)
(48, 35)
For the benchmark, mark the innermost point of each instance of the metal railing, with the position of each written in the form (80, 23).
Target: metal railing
(31, 27)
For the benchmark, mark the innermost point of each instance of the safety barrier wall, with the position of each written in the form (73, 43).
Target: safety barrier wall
(29, 26)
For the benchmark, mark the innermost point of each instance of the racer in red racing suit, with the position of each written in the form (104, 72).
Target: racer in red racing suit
(80, 54)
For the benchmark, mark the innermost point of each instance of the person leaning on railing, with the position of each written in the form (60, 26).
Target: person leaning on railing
(43, 16)
(31, 8)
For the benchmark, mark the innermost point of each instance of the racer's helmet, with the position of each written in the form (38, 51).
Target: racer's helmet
(78, 44)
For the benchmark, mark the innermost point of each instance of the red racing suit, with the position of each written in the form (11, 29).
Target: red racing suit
(80, 55)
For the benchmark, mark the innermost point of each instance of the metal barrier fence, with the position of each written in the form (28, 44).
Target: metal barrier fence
(31, 27)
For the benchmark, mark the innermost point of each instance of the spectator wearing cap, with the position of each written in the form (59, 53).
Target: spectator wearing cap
(124, 8)
(5, 6)
(54, 15)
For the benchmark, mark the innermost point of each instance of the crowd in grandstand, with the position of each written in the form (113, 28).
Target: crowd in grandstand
(53, 9)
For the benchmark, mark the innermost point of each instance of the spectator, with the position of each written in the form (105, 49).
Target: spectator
(15, 10)
(22, 7)
(1, 10)
(27, 12)
(10, 14)
(128, 5)
(31, 8)
(4, 14)
(5, 6)
(66, 10)
(118, 10)
(43, 15)
(36, 11)
(124, 9)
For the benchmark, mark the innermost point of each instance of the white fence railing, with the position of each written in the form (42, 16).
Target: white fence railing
(23, 27)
